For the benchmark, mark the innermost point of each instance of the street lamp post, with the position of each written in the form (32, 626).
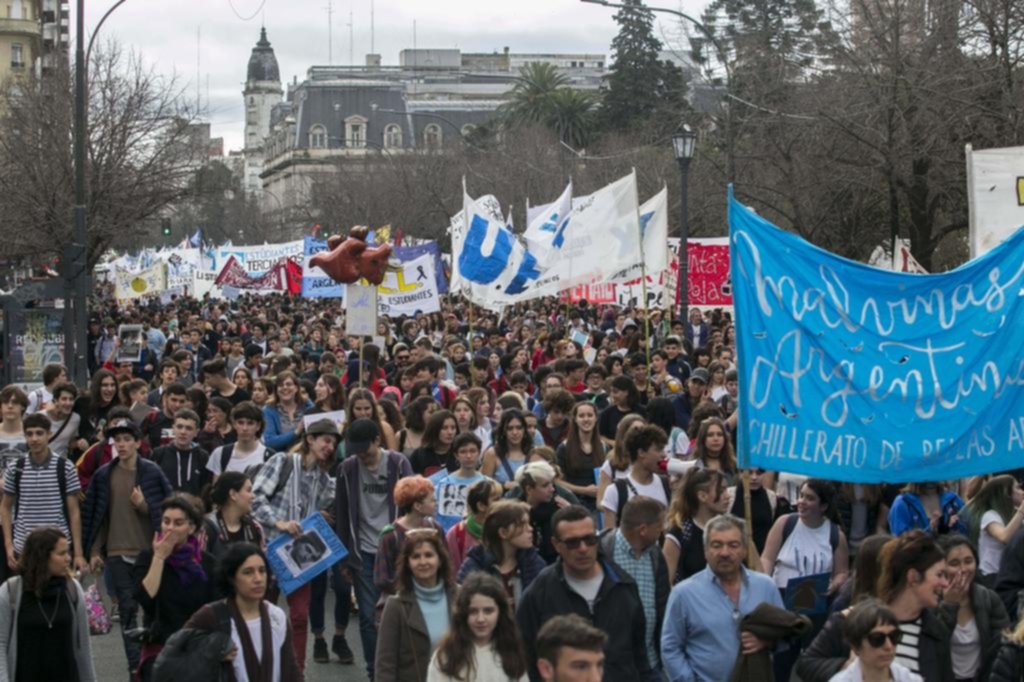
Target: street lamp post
(684, 143)
(75, 259)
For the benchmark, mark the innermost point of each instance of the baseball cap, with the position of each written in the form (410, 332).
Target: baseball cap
(701, 375)
(323, 427)
(122, 425)
(359, 435)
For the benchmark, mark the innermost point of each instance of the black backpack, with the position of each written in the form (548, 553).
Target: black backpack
(790, 525)
(623, 485)
(192, 654)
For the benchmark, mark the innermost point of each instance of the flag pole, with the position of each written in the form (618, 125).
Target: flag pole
(643, 281)
(362, 370)
(469, 315)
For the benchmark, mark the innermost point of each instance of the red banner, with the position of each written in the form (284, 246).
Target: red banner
(281, 277)
(708, 272)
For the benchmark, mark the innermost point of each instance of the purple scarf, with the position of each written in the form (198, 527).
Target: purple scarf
(186, 561)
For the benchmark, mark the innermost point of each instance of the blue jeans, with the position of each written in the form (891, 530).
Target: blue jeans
(366, 597)
(120, 572)
(342, 601)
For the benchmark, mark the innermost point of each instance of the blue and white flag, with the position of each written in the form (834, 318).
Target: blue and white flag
(545, 231)
(197, 238)
(858, 374)
(489, 254)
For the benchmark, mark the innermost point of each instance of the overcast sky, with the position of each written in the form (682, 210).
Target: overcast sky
(164, 33)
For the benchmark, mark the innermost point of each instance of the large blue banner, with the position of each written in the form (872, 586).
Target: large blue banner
(857, 374)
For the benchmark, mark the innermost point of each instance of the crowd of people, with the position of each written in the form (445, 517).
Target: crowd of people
(549, 494)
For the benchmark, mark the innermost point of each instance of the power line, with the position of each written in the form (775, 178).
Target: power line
(259, 9)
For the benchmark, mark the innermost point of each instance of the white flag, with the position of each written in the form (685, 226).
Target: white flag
(654, 226)
(545, 226)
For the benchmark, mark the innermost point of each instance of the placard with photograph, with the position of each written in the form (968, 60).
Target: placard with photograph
(297, 560)
(131, 343)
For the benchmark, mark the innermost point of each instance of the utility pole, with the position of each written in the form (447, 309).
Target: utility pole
(75, 260)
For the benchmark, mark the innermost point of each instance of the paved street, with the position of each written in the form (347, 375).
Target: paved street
(108, 655)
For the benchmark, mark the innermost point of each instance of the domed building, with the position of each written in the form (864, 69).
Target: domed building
(262, 92)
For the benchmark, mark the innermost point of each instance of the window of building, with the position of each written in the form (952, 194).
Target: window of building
(17, 56)
(355, 132)
(432, 137)
(392, 136)
(318, 137)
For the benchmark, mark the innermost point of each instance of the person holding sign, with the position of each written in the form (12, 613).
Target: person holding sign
(290, 487)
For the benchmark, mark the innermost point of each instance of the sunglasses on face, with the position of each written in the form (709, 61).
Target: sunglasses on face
(574, 543)
(877, 639)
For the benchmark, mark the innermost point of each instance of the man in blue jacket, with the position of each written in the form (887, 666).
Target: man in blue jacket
(120, 515)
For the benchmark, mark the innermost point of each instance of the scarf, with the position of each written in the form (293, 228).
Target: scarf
(474, 528)
(186, 561)
(255, 669)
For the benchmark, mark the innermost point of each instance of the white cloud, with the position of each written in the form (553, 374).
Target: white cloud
(164, 32)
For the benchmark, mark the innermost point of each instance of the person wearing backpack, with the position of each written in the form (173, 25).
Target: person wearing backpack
(645, 447)
(44, 627)
(247, 453)
(40, 490)
(808, 542)
(182, 460)
(287, 489)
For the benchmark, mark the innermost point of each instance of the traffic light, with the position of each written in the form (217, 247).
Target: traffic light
(165, 227)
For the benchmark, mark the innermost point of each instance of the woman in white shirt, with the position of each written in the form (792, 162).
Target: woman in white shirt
(873, 631)
(483, 642)
(256, 624)
(809, 542)
(993, 516)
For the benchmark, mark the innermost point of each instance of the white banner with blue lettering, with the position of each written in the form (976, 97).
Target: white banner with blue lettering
(852, 373)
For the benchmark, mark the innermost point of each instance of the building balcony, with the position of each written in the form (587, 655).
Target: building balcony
(24, 27)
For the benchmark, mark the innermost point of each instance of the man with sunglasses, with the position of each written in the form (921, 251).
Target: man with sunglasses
(701, 637)
(585, 582)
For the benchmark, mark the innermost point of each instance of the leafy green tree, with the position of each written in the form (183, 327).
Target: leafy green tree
(641, 88)
(530, 100)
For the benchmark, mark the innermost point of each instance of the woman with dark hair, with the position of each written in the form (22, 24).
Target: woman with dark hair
(618, 464)
(242, 378)
(873, 635)
(625, 399)
(465, 415)
(511, 449)
(974, 613)
(329, 394)
(506, 549)
(863, 582)
(582, 452)
(417, 617)
(436, 452)
(416, 413)
(174, 579)
(701, 497)
(809, 541)
(363, 405)
(197, 401)
(231, 522)
(103, 395)
(911, 584)
(283, 414)
(483, 644)
(465, 535)
(662, 414)
(992, 517)
(259, 630)
(376, 380)
(262, 389)
(217, 430)
(44, 627)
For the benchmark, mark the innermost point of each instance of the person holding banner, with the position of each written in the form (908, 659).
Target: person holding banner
(244, 580)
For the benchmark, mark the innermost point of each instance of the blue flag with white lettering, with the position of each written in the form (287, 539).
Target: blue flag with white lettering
(852, 373)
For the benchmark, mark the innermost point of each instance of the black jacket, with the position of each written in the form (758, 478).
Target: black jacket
(829, 651)
(991, 619)
(185, 469)
(617, 611)
(148, 477)
(1009, 663)
(176, 600)
(662, 585)
(1010, 578)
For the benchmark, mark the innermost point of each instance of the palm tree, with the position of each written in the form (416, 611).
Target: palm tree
(530, 101)
(571, 114)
